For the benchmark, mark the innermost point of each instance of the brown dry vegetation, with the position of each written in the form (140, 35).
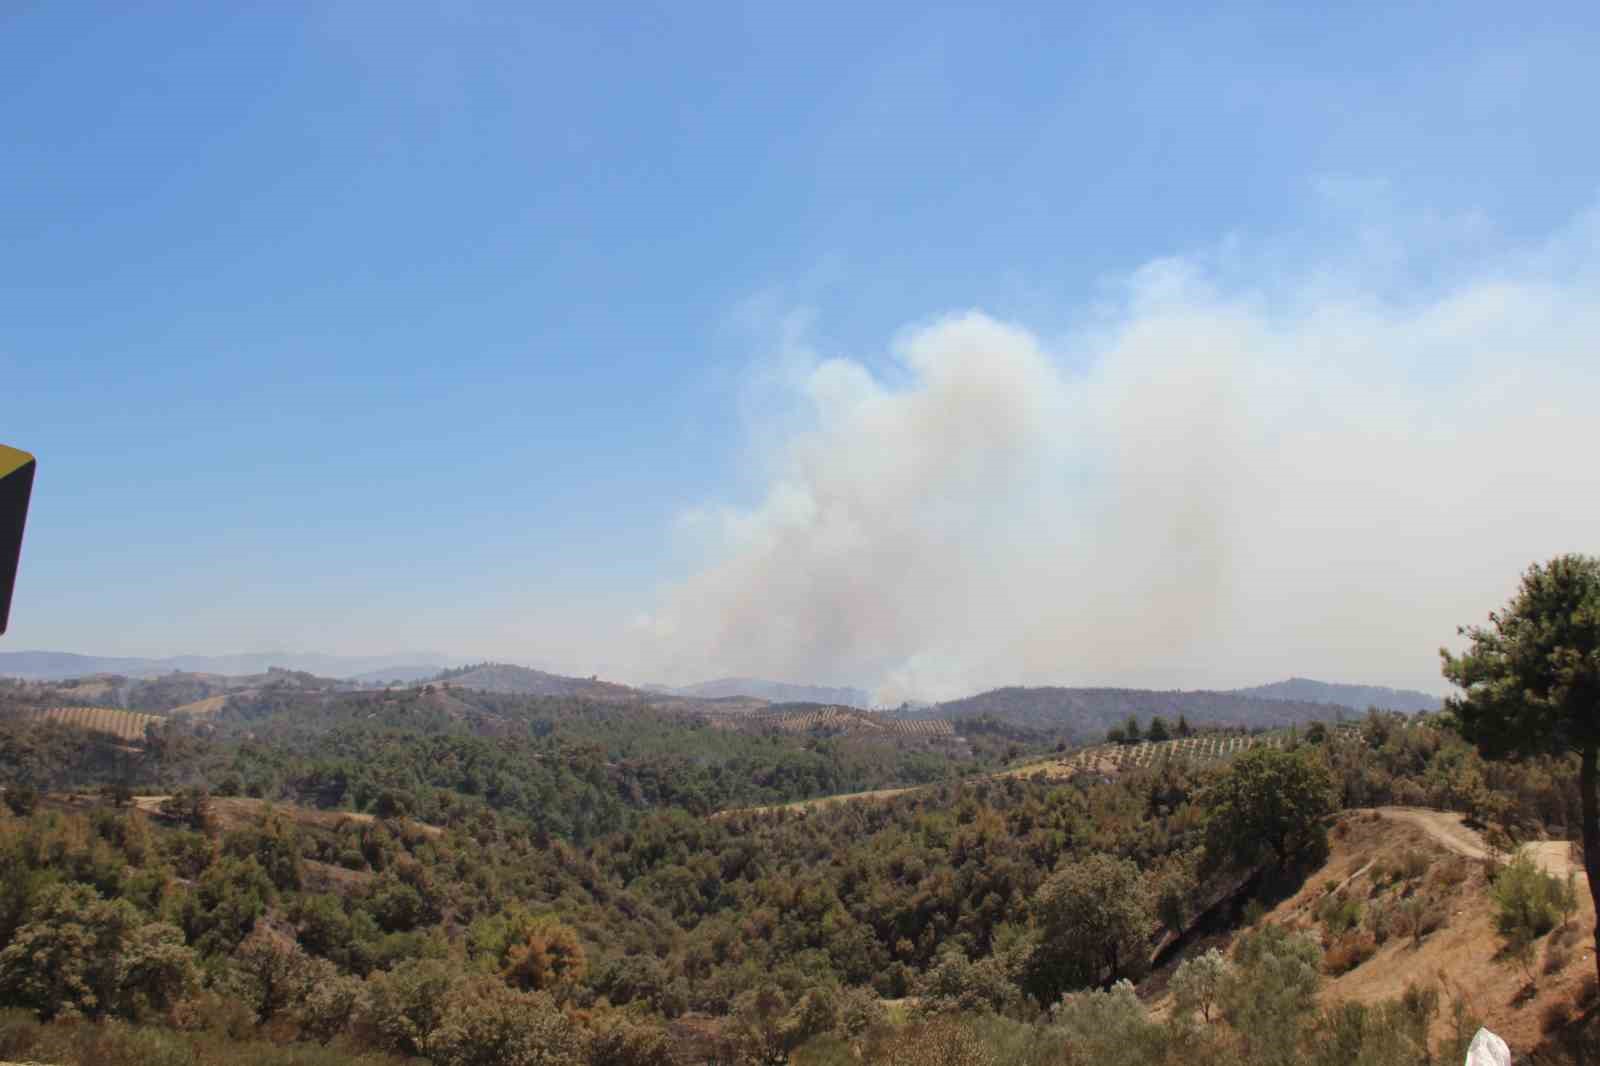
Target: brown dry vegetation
(202, 708)
(1381, 859)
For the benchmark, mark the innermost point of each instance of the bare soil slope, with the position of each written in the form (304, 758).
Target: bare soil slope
(1385, 857)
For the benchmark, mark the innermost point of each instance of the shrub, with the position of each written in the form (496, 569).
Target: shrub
(1452, 873)
(270, 973)
(223, 907)
(766, 1026)
(1420, 915)
(192, 807)
(617, 1041)
(958, 986)
(1382, 919)
(858, 1011)
(401, 1009)
(1272, 990)
(275, 844)
(1527, 900)
(1339, 914)
(1349, 951)
(22, 799)
(1393, 1033)
(156, 970)
(485, 1023)
(328, 1004)
(940, 1043)
(1108, 1026)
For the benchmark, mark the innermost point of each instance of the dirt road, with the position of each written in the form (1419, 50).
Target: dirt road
(1446, 827)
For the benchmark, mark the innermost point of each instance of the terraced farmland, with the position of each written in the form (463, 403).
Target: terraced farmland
(127, 726)
(1110, 758)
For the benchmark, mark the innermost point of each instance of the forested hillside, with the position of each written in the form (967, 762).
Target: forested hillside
(1351, 697)
(1084, 714)
(574, 768)
(336, 866)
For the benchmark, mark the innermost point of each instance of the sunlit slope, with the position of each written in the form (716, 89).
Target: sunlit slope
(127, 726)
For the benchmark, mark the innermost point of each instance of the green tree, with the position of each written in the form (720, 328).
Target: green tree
(80, 953)
(329, 1003)
(223, 907)
(957, 985)
(1269, 799)
(156, 969)
(405, 1006)
(271, 973)
(1530, 683)
(766, 1025)
(1109, 1025)
(1184, 728)
(1197, 984)
(275, 845)
(192, 806)
(1271, 993)
(1096, 916)
(1159, 730)
(485, 1023)
(65, 959)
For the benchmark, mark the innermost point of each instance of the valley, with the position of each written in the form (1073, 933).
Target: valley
(724, 879)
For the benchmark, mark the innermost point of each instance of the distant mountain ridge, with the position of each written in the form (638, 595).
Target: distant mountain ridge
(60, 665)
(771, 691)
(1355, 697)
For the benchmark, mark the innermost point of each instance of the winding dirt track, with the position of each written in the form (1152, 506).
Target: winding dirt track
(1446, 827)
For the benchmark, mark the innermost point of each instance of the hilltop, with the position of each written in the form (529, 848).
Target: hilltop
(1084, 714)
(522, 680)
(164, 693)
(1354, 697)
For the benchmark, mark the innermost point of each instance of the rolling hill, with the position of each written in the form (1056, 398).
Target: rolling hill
(1355, 697)
(1086, 713)
(126, 726)
(522, 681)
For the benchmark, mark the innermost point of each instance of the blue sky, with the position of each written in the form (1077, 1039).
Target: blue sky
(365, 327)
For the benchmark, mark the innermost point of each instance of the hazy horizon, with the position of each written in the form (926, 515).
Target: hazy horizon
(353, 665)
(913, 350)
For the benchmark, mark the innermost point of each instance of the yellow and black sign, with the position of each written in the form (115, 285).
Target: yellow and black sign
(16, 485)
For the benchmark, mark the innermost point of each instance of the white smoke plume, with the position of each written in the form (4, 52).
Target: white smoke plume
(1223, 481)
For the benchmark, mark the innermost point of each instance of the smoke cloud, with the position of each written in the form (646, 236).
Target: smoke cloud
(1233, 474)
